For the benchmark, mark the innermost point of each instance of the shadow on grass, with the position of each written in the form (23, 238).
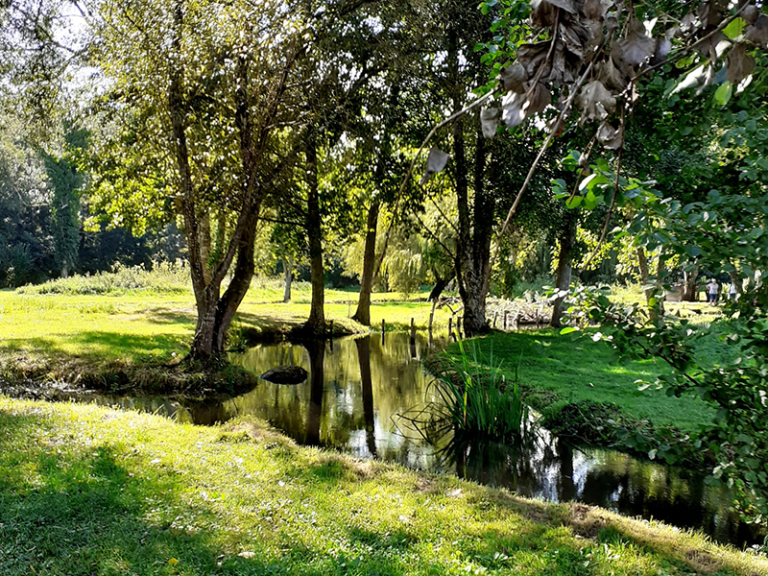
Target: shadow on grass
(104, 346)
(68, 507)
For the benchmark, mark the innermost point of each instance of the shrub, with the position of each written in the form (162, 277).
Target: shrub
(162, 278)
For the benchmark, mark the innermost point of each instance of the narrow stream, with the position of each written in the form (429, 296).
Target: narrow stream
(358, 388)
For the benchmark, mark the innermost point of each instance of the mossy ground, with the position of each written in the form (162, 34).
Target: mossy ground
(85, 490)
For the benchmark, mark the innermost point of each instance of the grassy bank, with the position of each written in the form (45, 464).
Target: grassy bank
(84, 490)
(124, 329)
(583, 390)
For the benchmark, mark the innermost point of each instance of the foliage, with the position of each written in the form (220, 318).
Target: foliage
(160, 278)
(477, 399)
(736, 385)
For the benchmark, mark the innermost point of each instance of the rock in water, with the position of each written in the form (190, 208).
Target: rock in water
(285, 375)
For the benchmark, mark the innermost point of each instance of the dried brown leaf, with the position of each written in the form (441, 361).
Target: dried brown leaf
(557, 125)
(611, 76)
(740, 64)
(712, 13)
(513, 78)
(512, 109)
(530, 56)
(567, 5)
(710, 47)
(758, 32)
(663, 48)
(594, 10)
(610, 137)
(489, 121)
(436, 162)
(542, 14)
(750, 14)
(540, 98)
(595, 102)
(637, 46)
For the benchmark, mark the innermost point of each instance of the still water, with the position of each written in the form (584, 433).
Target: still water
(354, 399)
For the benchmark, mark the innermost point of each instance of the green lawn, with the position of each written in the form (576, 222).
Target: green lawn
(146, 326)
(575, 368)
(85, 490)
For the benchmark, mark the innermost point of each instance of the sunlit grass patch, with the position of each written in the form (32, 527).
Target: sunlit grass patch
(87, 490)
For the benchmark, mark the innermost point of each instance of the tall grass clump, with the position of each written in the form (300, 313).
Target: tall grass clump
(478, 401)
(161, 278)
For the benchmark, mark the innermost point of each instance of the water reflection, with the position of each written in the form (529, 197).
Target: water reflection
(355, 391)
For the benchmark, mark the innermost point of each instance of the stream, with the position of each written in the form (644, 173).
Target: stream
(359, 388)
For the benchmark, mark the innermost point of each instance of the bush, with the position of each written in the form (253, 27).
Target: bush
(162, 278)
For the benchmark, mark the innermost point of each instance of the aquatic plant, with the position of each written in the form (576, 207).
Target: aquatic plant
(477, 400)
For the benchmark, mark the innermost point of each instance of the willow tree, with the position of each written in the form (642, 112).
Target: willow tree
(195, 96)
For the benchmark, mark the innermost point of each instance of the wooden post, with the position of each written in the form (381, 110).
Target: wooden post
(413, 331)
(450, 326)
(505, 320)
(383, 324)
(495, 315)
(330, 328)
(458, 326)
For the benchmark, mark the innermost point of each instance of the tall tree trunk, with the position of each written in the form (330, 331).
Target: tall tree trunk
(642, 264)
(564, 264)
(288, 275)
(473, 241)
(690, 285)
(316, 322)
(214, 312)
(363, 312)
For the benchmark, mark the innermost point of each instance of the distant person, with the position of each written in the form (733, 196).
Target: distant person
(713, 290)
(732, 292)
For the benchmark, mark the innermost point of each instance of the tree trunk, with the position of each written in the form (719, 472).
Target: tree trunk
(316, 323)
(363, 313)
(642, 264)
(440, 285)
(288, 274)
(736, 281)
(690, 287)
(656, 294)
(564, 265)
(473, 242)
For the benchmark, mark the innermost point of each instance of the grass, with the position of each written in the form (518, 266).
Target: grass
(566, 369)
(85, 490)
(479, 403)
(128, 325)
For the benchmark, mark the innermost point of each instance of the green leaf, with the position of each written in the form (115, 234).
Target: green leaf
(692, 250)
(574, 202)
(568, 330)
(735, 28)
(723, 94)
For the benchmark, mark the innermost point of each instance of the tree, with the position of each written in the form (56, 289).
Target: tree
(197, 95)
(66, 183)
